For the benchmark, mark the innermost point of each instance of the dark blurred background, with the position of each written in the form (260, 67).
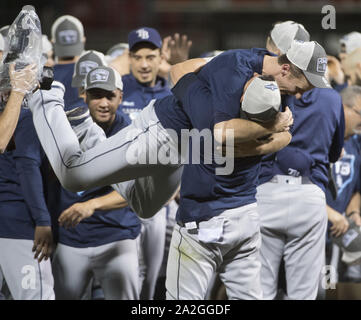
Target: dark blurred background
(211, 24)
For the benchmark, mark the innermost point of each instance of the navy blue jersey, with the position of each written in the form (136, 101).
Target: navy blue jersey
(211, 96)
(317, 138)
(64, 74)
(136, 96)
(22, 175)
(103, 226)
(346, 173)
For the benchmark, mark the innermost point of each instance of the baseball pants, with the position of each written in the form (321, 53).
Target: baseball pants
(27, 279)
(151, 244)
(139, 151)
(228, 244)
(114, 265)
(293, 226)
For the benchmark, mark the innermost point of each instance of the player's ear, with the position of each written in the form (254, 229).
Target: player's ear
(285, 69)
(120, 97)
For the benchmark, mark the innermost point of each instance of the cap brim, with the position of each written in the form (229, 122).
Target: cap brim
(68, 51)
(316, 80)
(104, 86)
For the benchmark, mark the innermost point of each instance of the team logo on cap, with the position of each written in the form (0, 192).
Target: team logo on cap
(99, 75)
(271, 86)
(68, 37)
(86, 66)
(321, 65)
(143, 34)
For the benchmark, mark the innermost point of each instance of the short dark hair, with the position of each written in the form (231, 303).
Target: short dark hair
(143, 44)
(267, 77)
(295, 71)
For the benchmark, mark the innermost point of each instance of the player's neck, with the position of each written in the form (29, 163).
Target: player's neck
(270, 66)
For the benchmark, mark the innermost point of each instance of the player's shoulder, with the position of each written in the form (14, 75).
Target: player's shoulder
(328, 94)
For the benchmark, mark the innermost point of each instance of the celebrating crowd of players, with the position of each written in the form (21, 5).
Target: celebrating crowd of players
(272, 210)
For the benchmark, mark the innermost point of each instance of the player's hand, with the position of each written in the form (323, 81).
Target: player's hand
(43, 243)
(76, 213)
(282, 122)
(176, 49)
(334, 70)
(339, 225)
(24, 80)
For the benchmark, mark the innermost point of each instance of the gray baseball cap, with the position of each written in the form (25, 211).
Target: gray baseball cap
(105, 78)
(351, 41)
(117, 50)
(261, 100)
(67, 34)
(311, 58)
(4, 30)
(284, 33)
(87, 61)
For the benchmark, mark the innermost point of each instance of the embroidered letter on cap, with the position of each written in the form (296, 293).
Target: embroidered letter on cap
(143, 34)
(271, 86)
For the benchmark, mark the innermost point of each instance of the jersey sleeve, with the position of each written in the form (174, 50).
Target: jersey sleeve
(28, 157)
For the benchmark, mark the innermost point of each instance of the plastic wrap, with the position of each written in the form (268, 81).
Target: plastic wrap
(23, 53)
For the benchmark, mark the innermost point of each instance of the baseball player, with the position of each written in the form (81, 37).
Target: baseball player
(25, 225)
(260, 63)
(165, 177)
(290, 197)
(346, 172)
(102, 246)
(67, 36)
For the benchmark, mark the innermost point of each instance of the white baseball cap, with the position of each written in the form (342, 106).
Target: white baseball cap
(284, 33)
(311, 58)
(351, 41)
(261, 100)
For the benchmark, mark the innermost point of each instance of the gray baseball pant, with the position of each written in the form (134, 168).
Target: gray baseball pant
(114, 265)
(27, 279)
(132, 153)
(293, 226)
(228, 244)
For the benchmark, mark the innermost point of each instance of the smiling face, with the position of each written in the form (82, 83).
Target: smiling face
(103, 105)
(145, 63)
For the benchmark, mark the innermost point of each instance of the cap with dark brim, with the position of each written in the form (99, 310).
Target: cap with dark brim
(316, 80)
(70, 50)
(104, 86)
(77, 82)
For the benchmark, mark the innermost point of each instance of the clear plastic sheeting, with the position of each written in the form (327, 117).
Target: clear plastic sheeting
(23, 47)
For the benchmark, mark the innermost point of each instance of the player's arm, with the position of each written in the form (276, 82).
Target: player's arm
(242, 130)
(273, 143)
(353, 208)
(339, 222)
(82, 210)
(178, 70)
(21, 81)
(28, 158)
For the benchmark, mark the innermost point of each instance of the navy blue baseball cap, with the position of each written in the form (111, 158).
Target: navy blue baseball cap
(144, 34)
